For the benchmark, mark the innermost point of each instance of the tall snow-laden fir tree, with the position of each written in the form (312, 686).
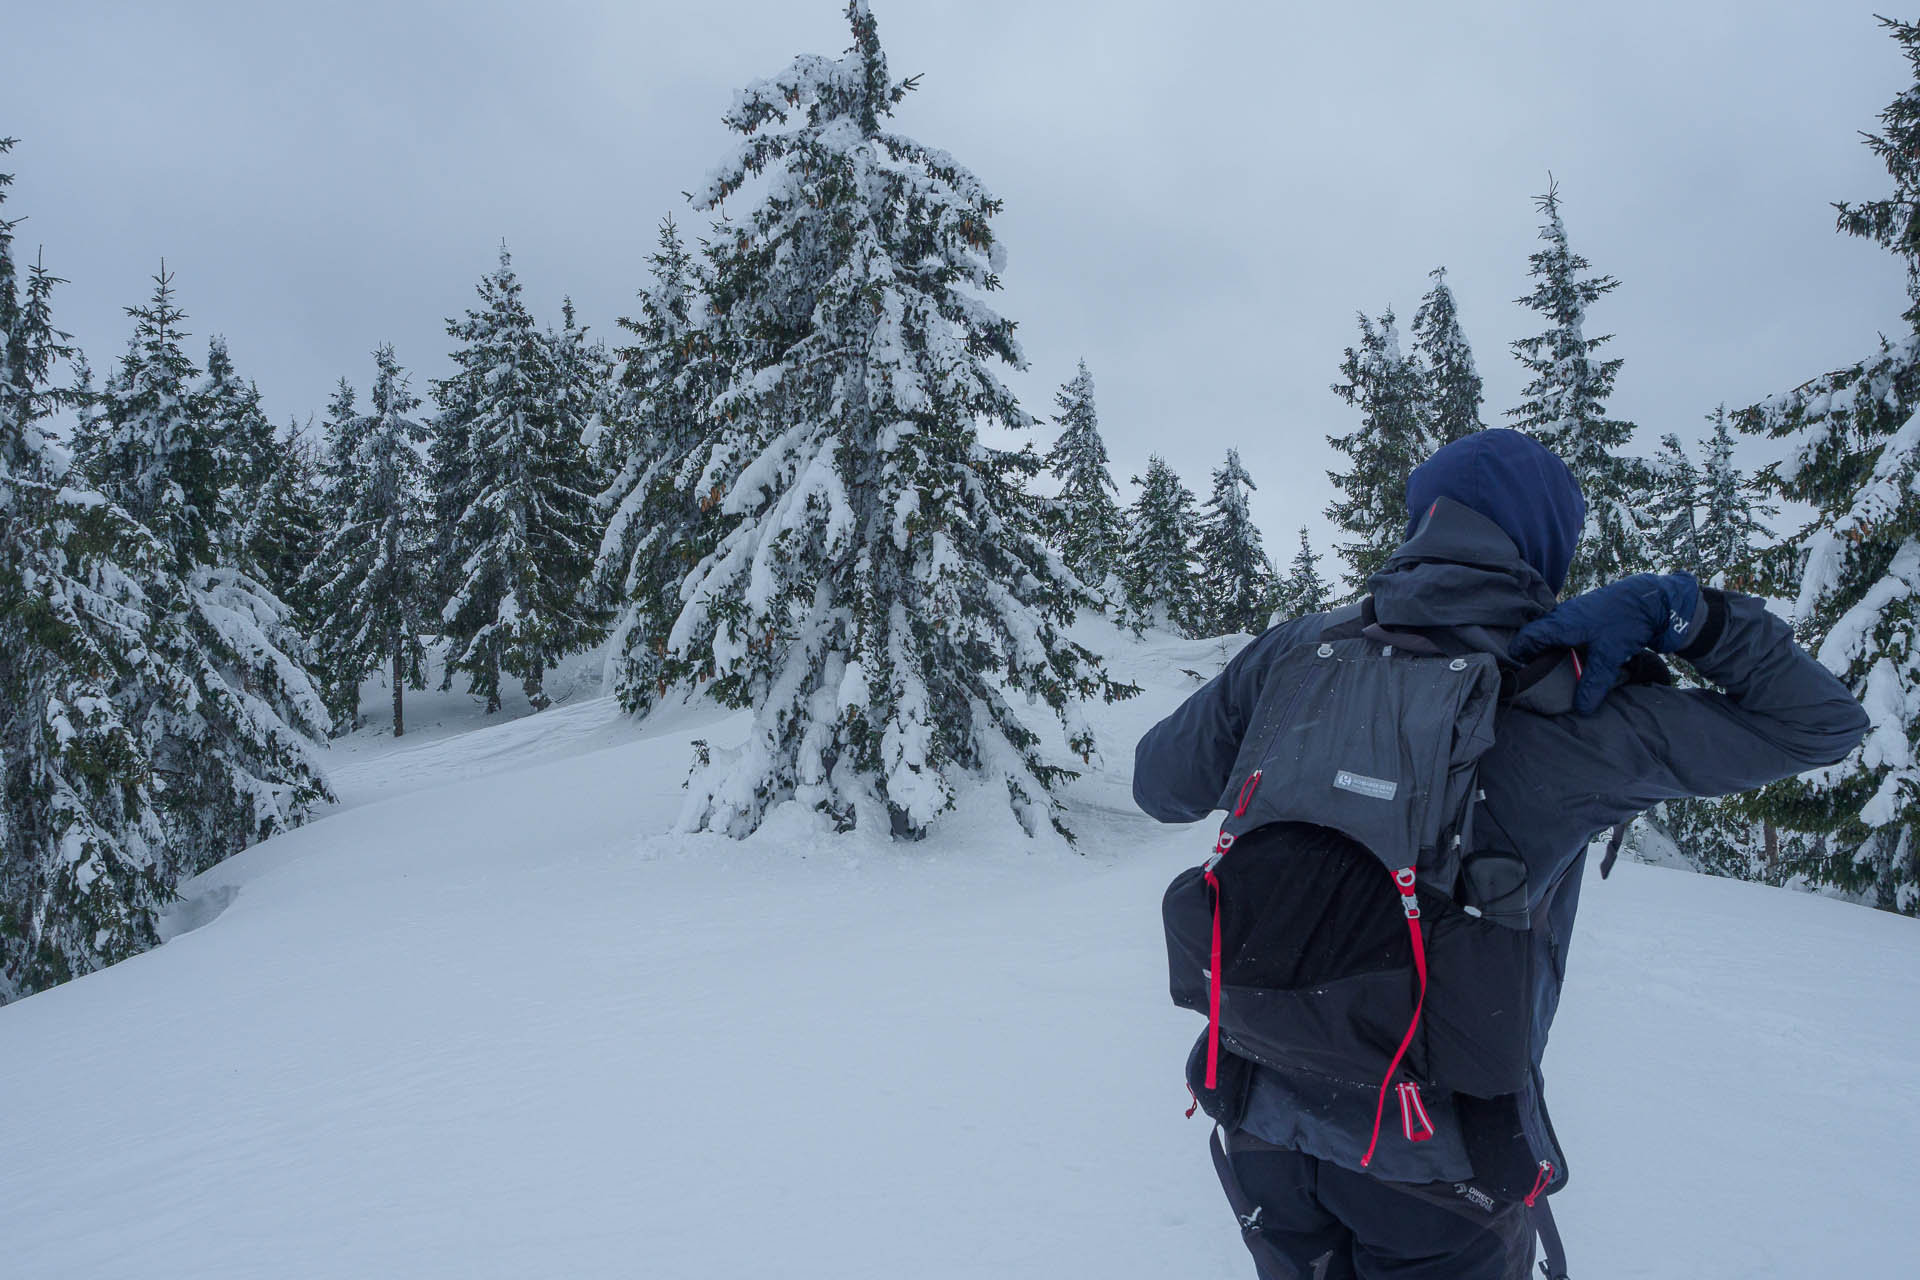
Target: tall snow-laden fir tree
(1237, 576)
(1088, 524)
(1564, 406)
(129, 757)
(1852, 454)
(1303, 590)
(513, 454)
(367, 587)
(1158, 573)
(658, 526)
(1453, 388)
(1391, 440)
(881, 586)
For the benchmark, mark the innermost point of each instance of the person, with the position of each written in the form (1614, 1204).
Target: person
(1494, 521)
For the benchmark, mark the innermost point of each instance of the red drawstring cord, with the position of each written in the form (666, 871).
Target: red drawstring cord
(1220, 847)
(1403, 880)
(1247, 789)
(1213, 991)
(1540, 1183)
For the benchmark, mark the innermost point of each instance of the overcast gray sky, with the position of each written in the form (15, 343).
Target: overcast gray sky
(1198, 195)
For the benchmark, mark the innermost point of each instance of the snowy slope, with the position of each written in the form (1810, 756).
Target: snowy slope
(488, 1020)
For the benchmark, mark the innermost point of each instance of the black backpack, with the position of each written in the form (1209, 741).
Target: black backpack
(1349, 924)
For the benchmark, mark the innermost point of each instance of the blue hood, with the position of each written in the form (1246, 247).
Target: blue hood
(1514, 481)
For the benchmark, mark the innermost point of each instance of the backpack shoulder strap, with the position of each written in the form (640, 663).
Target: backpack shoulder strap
(1348, 621)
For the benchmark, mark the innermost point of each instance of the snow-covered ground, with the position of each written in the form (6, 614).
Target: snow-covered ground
(488, 1019)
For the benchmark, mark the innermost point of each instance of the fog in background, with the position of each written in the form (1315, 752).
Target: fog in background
(1198, 196)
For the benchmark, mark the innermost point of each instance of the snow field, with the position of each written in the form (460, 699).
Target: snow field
(489, 1019)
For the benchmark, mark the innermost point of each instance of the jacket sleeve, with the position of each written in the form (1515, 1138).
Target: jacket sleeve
(1182, 764)
(1777, 712)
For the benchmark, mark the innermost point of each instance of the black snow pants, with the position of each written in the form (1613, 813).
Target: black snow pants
(1306, 1219)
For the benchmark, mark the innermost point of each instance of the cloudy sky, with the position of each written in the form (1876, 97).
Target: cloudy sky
(1199, 196)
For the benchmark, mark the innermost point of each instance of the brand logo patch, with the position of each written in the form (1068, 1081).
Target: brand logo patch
(1361, 785)
(1474, 1196)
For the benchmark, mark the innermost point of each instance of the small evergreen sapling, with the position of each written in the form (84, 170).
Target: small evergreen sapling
(1237, 577)
(1158, 569)
(1734, 512)
(1303, 591)
(1087, 519)
(1673, 507)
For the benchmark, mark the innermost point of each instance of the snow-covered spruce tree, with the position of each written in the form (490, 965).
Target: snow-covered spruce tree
(1389, 390)
(1237, 578)
(1564, 406)
(658, 525)
(246, 453)
(1158, 574)
(1733, 509)
(1302, 591)
(238, 763)
(882, 583)
(1852, 455)
(285, 525)
(1453, 389)
(128, 759)
(449, 472)
(1720, 835)
(585, 388)
(367, 586)
(150, 449)
(1086, 518)
(84, 869)
(1672, 513)
(522, 545)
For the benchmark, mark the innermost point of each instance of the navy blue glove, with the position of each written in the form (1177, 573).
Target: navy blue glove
(1654, 611)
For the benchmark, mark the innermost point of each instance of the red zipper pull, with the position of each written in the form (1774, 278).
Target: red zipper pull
(1540, 1183)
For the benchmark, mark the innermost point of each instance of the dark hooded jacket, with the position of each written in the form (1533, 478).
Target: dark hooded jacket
(1553, 780)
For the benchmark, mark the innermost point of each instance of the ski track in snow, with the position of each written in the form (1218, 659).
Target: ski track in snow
(487, 1019)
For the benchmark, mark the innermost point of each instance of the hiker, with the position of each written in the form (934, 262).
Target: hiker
(1332, 1180)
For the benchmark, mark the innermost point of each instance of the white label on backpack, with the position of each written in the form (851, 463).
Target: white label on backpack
(1361, 785)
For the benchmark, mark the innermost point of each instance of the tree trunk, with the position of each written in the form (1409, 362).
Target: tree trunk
(399, 684)
(1770, 837)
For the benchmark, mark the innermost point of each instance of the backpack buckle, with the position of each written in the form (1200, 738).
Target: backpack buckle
(1404, 879)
